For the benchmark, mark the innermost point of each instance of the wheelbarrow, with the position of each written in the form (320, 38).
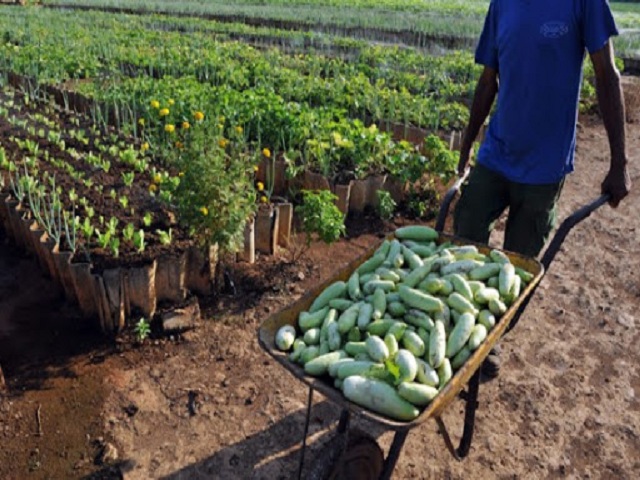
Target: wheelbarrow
(352, 454)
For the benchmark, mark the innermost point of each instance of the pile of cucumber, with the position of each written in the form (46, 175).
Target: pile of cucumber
(394, 334)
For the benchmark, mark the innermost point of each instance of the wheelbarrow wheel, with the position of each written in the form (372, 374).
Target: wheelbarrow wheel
(362, 459)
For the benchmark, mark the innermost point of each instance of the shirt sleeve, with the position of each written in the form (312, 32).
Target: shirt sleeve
(487, 49)
(598, 24)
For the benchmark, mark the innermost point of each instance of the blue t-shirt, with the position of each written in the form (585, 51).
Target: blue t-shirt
(537, 47)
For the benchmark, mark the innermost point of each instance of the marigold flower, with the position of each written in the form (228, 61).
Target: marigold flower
(155, 104)
(144, 146)
(260, 186)
(141, 121)
(169, 128)
(256, 168)
(164, 112)
(199, 116)
(157, 178)
(266, 152)
(152, 188)
(186, 125)
(239, 129)
(264, 199)
(171, 101)
(223, 142)
(204, 211)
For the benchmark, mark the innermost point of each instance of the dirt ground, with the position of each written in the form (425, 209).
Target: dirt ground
(212, 404)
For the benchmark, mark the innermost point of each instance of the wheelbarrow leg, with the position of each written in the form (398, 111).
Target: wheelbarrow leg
(394, 454)
(306, 432)
(469, 421)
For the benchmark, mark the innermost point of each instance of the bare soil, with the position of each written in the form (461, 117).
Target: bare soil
(212, 404)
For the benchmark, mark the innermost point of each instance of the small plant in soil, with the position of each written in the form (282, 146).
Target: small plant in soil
(142, 330)
(320, 216)
(386, 205)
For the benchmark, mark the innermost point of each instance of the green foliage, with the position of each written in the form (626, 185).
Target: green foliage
(142, 330)
(320, 216)
(215, 195)
(386, 205)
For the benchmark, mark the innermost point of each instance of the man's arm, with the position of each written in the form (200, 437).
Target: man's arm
(483, 98)
(609, 90)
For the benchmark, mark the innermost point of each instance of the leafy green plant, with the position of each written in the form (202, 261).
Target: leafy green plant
(138, 241)
(142, 330)
(386, 205)
(320, 216)
(165, 236)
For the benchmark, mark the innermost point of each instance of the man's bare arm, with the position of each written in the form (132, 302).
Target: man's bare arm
(610, 99)
(483, 98)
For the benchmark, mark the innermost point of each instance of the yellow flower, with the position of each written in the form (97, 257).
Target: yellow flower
(157, 178)
(164, 112)
(179, 145)
(223, 142)
(260, 186)
(155, 104)
(266, 152)
(256, 168)
(181, 174)
(204, 211)
(239, 129)
(199, 116)
(171, 101)
(186, 125)
(141, 122)
(152, 188)
(169, 128)
(264, 199)
(144, 146)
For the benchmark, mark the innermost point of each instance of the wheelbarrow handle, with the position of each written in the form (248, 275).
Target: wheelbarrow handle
(448, 198)
(571, 221)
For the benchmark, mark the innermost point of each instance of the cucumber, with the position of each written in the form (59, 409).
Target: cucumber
(525, 276)
(461, 286)
(333, 368)
(371, 264)
(367, 277)
(425, 251)
(460, 266)
(476, 285)
(499, 257)
(493, 282)
(411, 258)
(354, 348)
(354, 335)
(298, 348)
(497, 307)
(309, 353)
(340, 304)
(333, 337)
(426, 374)
(461, 357)
(485, 272)
(312, 336)
(437, 345)
(353, 287)
(424, 336)
(419, 319)
(397, 329)
(416, 393)
(422, 301)
(416, 276)
(486, 318)
(379, 304)
(460, 334)
(285, 336)
(348, 319)
(412, 342)
(319, 365)
(432, 285)
(380, 327)
(383, 249)
(335, 290)
(377, 349)
(392, 344)
(384, 285)
(364, 315)
(307, 321)
(406, 363)
(478, 334)
(506, 277)
(460, 303)
(395, 249)
(445, 373)
(483, 295)
(378, 396)
(417, 233)
(357, 367)
(386, 274)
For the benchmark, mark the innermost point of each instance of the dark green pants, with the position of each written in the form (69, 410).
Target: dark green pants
(532, 210)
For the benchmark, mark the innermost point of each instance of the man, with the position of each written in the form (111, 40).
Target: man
(532, 52)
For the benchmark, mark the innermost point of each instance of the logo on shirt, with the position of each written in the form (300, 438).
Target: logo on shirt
(554, 29)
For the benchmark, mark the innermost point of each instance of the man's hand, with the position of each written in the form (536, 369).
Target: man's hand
(616, 184)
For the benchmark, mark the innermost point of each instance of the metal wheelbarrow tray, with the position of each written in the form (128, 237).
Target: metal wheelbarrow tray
(469, 373)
